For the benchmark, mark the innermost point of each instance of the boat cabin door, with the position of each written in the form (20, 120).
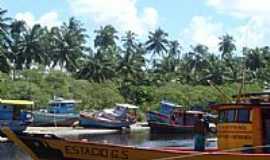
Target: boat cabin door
(266, 128)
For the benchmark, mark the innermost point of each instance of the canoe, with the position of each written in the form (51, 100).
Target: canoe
(89, 121)
(49, 147)
(51, 119)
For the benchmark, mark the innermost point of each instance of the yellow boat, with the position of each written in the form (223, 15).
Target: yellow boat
(243, 134)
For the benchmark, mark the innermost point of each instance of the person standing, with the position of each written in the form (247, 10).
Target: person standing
(200, 130)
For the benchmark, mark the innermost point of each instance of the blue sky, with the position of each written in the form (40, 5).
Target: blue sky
(189, 21)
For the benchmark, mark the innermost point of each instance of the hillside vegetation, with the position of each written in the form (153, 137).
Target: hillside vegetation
(38, 63)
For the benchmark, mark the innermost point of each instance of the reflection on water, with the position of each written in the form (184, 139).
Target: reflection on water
(8, 151)
(139, 139)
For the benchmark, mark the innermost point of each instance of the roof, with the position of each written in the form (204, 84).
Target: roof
(62, 100)
(255, 94)
(194, 112)
(17, 102)
(239, 105)
(129, 106)
(171, 104)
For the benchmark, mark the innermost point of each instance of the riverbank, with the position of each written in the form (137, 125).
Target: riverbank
(67, 131)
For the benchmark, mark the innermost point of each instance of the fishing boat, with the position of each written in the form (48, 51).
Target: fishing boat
(179, 122)
(13, 114)
(173, 118)
(61, 112)
(122, 116)
(163, 116)
(243, 134)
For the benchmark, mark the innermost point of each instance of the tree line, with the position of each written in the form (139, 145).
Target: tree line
(126, 61)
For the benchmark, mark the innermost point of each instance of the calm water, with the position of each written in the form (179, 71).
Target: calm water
(141, 139)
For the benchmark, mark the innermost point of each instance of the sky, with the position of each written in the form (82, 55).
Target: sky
(190, 22)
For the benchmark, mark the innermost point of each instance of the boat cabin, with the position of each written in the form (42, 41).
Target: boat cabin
(185, 118)
(245, 122)
(121, 111)
(167, 108)
(60, 105)
(13, 114)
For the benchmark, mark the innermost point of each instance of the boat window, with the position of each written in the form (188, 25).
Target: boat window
(234, 115)
(190, 119)
(221, 116)
(243, 115)
(230, 115)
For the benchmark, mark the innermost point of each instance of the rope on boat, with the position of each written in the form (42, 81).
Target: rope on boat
(203, 153)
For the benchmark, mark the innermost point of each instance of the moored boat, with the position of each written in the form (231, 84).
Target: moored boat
(163, 116)
(173, 118)
(117, 118)
(13, 114)
(243, 134)
(61, 112)
(180, 122)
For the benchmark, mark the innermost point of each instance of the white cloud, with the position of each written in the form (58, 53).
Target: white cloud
(49, 19)
(253, 33)
(245, 8)
(121, 13)
(203, 30)
(252, 29)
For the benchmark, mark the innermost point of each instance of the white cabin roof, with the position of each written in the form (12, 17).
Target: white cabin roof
(62, 100)
(195, 112)
(173, 105)
(129, 106)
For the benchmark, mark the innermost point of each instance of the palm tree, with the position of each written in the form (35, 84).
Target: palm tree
(226, 46)
(4, 26)
(106, 36)
(157, 42)
(33, 49)
(4, 61)
(68, 44)
(16, 45)
(97, 68)
(215, 70)
(194, 62)
(254, 58)
(174, 49)
(131, 63)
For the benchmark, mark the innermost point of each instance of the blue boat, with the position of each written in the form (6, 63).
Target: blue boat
(13, 114)
(164, 115)
(60, 112)
(122, 116)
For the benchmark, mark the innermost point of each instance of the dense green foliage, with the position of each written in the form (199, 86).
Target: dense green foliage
(39, 62)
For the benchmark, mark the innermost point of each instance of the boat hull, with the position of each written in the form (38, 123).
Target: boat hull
(168, 128)
(96, 123)
(52, 148)
(157, 117)
(50, 119)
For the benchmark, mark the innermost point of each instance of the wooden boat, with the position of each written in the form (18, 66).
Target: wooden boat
(243, 134)
(60, 112)
(117, 118)
(173, 118)
(13, 114)
(163, 116)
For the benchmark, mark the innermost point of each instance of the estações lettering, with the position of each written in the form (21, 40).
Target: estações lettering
(97, 152)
